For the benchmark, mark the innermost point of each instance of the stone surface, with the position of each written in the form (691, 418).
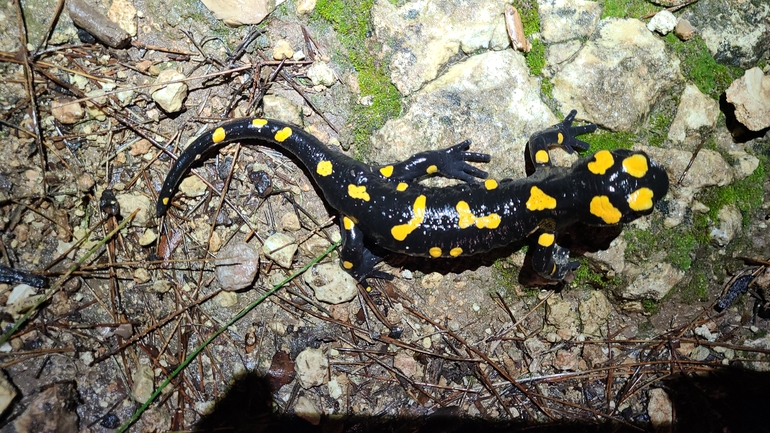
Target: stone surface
(663, 22)
(143, 383)
(695, 119)
(594, 312)
(132, 201)
(330, 283)
(66, 110)
(170, 97)
(426, 34)
(241, 12)
(613, 87)
(653, 282)
(729, 225)
(750, 95)
(684, 30)
(237, 266)
(660, 410)
(53, 409)
(312, 368)
(321, 74)
(281, 249)
(489, 97)
(7, 392)
(562, 20)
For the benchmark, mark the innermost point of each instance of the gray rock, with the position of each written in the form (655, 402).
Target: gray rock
(562, 20)
(281, 249)
(282, 108)
(237, 266)
(132, 201)
(330, 283)
(617, 76)
(7, 392)
(750, 95)
(53, 409)
(427, 34)
(653, 282)
(737, 32)
(663, 22)
(143, 383)
(170, 97)
(695, 119)
(594, 312)
(312, 368)
(489, 98)
(730, 222)
(661, 410)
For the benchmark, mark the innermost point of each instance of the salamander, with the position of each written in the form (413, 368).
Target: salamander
(389, 207)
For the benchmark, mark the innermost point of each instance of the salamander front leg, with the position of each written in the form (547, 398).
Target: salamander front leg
(355, 258)
(560, 135)
(451, 162)
(551, 260)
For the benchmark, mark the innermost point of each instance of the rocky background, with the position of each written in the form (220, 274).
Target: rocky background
(92, 113)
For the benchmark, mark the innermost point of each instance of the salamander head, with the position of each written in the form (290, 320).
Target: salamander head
(629, 185)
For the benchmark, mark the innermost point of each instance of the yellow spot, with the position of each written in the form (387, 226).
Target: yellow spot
(283, 134)
(218, 135)
(603, 161)
(402, 186)
(348, 223)
(435, 252)
(165, 201)
(368, 289)
(490, 184)
(545, 239)
(358, 192)
(467, 219)
(400, 232)
(387, 170)
(432, 169)
(456, 251)
(641, 199)
(635, 165)
(601, 207)
(347, 265)
(324, 168)
(538, 200)
(258, 123)
(541, 157)
(560, 138)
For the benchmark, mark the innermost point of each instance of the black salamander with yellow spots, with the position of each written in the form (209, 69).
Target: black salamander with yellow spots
(388, 206)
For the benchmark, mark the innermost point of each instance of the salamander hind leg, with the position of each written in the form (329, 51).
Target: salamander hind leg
(355, 258)
(562, 135)
(451, 162)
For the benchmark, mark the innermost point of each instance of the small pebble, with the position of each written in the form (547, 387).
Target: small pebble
(280, 248)
(237, 266)
(312, 368)
(282, 50)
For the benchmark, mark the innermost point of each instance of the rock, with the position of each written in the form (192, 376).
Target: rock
(148, 237)
(567, 359)
(305, 6)
(226, 299)
(282, 50)
(426, 35)
(490, 97)
(612, 260)
(660, 410)
(237, 266)
(129, 202)
(53, 409)
(735, 32)
(654, 282)
(407, 365)
(338, 387)
(144, 383)
(663, 22)
(308, 411)
(695, 119)
(743, 163)
(85, 182)
(280, 248)
(561, 314)
(66, 110)
(290, 222)
(170, 97)
(312, 368)
(750, 95)
(161, 286)
(700, 353)
(684, 30)
(141, 275)
(730, 222)
(330, 283)
(612, 86)
(556, 54)
(7, 392)
(558, 19)
(192, 186)
(241, 12)
(594, 313)
(123, 13)
(321, 74)
(595, 355)
(280, 108)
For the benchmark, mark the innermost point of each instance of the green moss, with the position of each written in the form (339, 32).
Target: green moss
(699, 66)
(351, 20)
(627, 8)
(604, 140)
(536, 57)
(746, 194)
(650, 307)
(696, 290)
(677, 242)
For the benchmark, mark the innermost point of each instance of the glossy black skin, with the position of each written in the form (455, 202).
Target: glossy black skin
(391, 200)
